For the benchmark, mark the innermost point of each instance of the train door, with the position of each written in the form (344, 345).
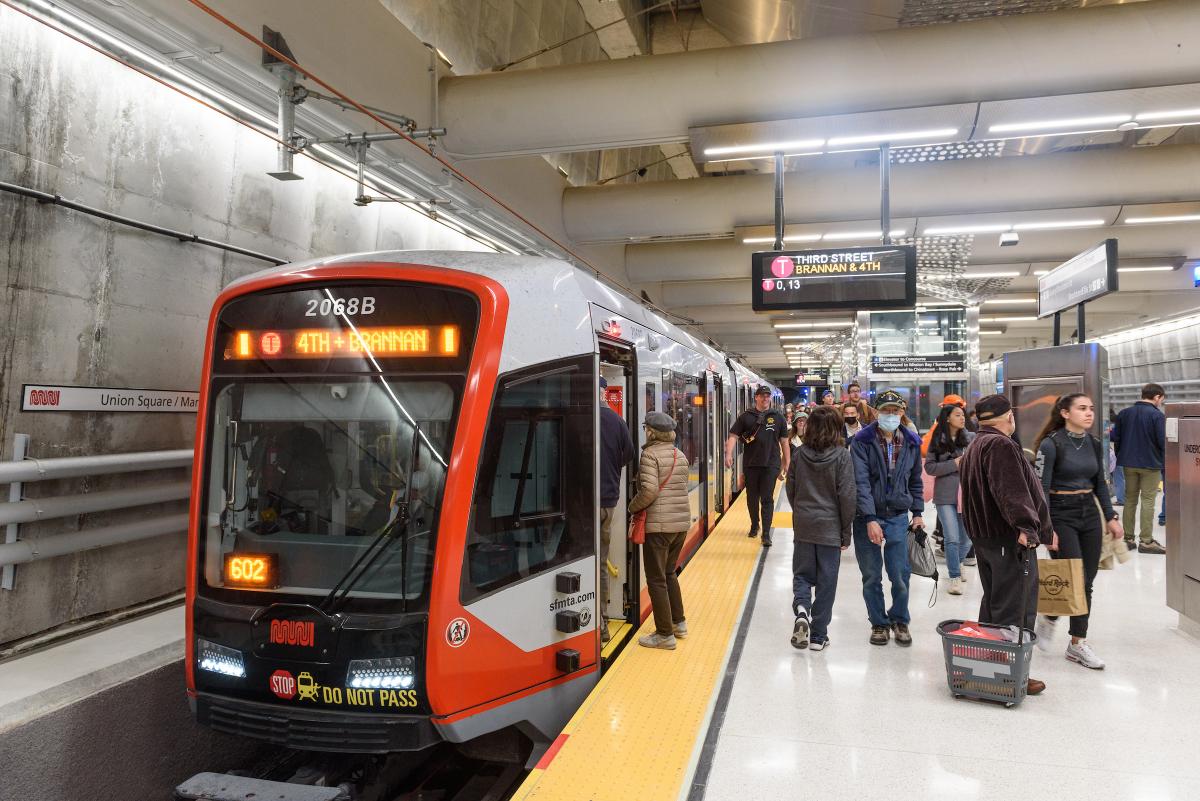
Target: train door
(717, 429)
(619, 566)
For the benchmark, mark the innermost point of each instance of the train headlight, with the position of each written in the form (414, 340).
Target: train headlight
(395, 673)
(219, 659)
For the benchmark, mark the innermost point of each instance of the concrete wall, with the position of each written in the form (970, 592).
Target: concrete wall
(91, 303)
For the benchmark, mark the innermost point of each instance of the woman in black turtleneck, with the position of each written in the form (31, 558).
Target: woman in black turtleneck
(1070, 462)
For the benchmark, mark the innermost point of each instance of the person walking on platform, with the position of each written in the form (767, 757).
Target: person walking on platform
(854, 395)
(616, 451)
(820, 486)
(1005, 511)
(1070, 462)
(887, 476)
(797, 429)
(663, 493)
(853, 422)
(1140, 438)
(827, 398)
(765, 458)
(946, 448)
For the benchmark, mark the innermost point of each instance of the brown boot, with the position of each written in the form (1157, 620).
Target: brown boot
(1034, 687)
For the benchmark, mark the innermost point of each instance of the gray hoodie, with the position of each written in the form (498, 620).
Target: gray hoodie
(820, 485)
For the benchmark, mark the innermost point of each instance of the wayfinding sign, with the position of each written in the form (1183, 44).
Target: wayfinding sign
(916, 363)
(51, 398)
(883, 277)
(1089, 275)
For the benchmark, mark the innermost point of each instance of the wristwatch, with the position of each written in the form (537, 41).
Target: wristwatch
(1114, 516)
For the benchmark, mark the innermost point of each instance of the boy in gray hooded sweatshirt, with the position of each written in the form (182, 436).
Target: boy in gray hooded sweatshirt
(821, 488)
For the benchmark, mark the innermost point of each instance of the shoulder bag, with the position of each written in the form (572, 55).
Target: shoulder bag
(637, 524)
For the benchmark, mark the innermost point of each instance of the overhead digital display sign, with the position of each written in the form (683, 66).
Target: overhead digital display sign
(917, 363)
(1089, 275)
(835, 278)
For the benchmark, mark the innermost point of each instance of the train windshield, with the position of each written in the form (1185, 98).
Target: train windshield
(327, 487)
(331, 419)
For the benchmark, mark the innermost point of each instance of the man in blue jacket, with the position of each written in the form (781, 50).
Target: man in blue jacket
(1139, 436)
(887, 470)
(616, 451)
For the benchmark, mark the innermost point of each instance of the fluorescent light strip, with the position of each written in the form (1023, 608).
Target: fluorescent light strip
(831, 324)
(902, 136)
(1010, 300)
(973, 276)
(1050, 226)
(1169, 115)
(1169, 219)
(771, 147)
(822, 335)
(766, 157)
(766, 240)
(988, 228)
(1114, 119)
(845, 235)
(983, 333)
(1163, 269)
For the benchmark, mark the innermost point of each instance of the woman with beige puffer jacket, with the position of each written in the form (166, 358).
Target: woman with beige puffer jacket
(663, 493)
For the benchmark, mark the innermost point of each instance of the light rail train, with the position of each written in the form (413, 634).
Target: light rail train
(395, 506)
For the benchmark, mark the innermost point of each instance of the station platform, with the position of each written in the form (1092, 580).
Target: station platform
(861, 721)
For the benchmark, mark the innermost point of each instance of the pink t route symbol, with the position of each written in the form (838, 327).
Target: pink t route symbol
(768, 284)
(782, 266)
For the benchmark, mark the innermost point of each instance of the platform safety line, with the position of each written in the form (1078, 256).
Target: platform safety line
(727, 527)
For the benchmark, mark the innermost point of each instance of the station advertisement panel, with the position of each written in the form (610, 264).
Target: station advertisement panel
(1088, 276)
(882, 277)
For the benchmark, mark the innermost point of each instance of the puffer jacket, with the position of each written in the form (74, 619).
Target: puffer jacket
(667, 511)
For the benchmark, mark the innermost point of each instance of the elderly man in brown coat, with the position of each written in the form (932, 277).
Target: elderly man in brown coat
(662, 492)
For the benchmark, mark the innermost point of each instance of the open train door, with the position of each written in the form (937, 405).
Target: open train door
(620, 566)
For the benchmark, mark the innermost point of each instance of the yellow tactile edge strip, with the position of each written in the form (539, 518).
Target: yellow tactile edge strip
(649, 714)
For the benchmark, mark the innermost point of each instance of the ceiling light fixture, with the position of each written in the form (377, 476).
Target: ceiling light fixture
(1040, 273)
(974, 276)
(765, 157)
(1169, 115)
(903, 136)
(769, 147)
(981, 228)
(1036, 125)
(1161, 269)
(764, 240)
(1168, 219)
(830, 324)
(822, 335)
(1010, 300)
(839, 236)
(983, 333)
(1050, 226)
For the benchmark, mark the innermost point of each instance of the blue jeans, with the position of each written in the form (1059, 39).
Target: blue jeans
(1119, 486)
(871, 562)
(954, 537)
(815, 567)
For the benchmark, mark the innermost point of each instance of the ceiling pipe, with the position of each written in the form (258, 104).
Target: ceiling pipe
(655, 99)
(715, 206)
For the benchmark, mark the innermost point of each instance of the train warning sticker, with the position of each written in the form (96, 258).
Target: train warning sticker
(283, 685)
(457, 632)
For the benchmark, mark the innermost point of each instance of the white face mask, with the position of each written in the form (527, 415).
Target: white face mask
(889, 422)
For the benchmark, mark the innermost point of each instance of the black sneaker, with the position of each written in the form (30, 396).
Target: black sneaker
(880, 635)
(902, 635)
(766, 540)
(1153, 546)
(753, 532)
(800, 631)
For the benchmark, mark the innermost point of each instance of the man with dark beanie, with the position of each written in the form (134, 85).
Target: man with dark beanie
(1006, 513)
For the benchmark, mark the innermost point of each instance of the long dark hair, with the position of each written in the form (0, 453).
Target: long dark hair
(1057, 421)
(941, 441)
(825, 429)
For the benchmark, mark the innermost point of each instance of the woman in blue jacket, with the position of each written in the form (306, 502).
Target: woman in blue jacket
(887, 473)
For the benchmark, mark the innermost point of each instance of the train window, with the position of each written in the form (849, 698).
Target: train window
(534, 498)
(681, 394)
(318, 472)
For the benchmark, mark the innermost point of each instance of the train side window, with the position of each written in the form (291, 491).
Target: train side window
(534, 497)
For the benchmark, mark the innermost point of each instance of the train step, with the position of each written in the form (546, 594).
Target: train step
(226, 787)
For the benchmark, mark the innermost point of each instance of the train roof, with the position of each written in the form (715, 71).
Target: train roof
(538, 287)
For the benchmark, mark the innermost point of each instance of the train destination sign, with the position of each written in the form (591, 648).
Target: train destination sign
(883, 277)
(1089, 275)
(323, 343)
(916, 363)
(52, 398)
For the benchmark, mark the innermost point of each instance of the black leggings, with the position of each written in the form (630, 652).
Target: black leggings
(1080, 536)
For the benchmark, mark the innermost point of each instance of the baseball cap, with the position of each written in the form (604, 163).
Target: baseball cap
(762, 390)
(954, 400)
(890, 397)
(992, 406)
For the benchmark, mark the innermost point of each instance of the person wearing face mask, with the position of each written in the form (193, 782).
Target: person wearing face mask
(853, 422)
(888, 476)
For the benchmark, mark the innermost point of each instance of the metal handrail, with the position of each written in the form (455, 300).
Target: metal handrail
(18, 510)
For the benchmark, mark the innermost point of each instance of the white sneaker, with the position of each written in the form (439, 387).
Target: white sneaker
(1082, 653)
(818, 645)
(969, 561)
(656, 640)
(800, 631)
(681, 629)
(955, 587)
(1045, 629)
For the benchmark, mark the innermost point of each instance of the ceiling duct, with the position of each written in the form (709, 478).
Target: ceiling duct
(656, 99)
